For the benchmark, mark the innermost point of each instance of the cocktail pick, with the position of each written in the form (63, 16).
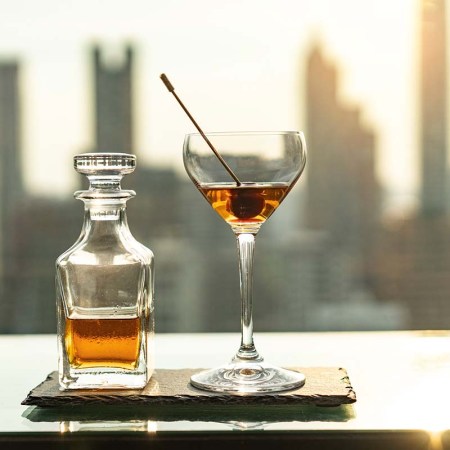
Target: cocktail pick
(171, 89)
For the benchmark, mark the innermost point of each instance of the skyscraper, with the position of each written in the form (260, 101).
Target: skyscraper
(433, 98)
(11, 186)
(113, 103)
(342, 212)
(342, 194)
(414, 254)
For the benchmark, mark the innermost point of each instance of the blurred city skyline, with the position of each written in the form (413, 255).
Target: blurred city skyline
(330, 257)
(240, 66)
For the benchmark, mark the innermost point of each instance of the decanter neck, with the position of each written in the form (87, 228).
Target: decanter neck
(101, 211)
(104, 197)
(105, 222)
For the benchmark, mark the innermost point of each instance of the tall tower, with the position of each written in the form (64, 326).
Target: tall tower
(321, 82)
(342, 194)
(11, 187)
(433, 100)
(113, 103)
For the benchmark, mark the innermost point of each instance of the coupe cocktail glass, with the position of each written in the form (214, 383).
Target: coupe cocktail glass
(266, 166)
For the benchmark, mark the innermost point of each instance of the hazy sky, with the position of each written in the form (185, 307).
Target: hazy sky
(237, 64)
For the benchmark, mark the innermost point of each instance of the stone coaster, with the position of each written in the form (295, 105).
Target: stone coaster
(324, 386)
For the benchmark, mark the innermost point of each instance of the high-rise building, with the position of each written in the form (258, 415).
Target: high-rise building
(11, 186)
(342, 212)
(154, 214)
(343, 193)
(412, 260)
(113, 83)
(433, 99)
(32, 230)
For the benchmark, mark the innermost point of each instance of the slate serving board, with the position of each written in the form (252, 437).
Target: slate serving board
(324, 386)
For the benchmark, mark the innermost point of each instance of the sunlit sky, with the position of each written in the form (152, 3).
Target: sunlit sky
(237, 64)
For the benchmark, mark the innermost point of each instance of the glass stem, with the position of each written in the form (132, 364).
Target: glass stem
(246, 247)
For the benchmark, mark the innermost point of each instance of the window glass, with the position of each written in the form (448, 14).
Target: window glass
(360, 243)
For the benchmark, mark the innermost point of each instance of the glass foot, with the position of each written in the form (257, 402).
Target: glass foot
(248, 378)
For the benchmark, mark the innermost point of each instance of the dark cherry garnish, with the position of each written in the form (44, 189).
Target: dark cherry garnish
(245, 203)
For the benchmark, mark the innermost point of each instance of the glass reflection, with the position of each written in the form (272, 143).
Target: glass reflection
(108, 426)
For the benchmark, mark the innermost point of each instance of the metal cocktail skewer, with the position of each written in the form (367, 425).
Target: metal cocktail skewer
(171, 89)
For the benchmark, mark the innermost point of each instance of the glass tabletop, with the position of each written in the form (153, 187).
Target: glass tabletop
(401, 380)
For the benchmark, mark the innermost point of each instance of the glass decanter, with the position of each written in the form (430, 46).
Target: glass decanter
(104, 286)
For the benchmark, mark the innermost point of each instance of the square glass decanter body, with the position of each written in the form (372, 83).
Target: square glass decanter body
(105, 315)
